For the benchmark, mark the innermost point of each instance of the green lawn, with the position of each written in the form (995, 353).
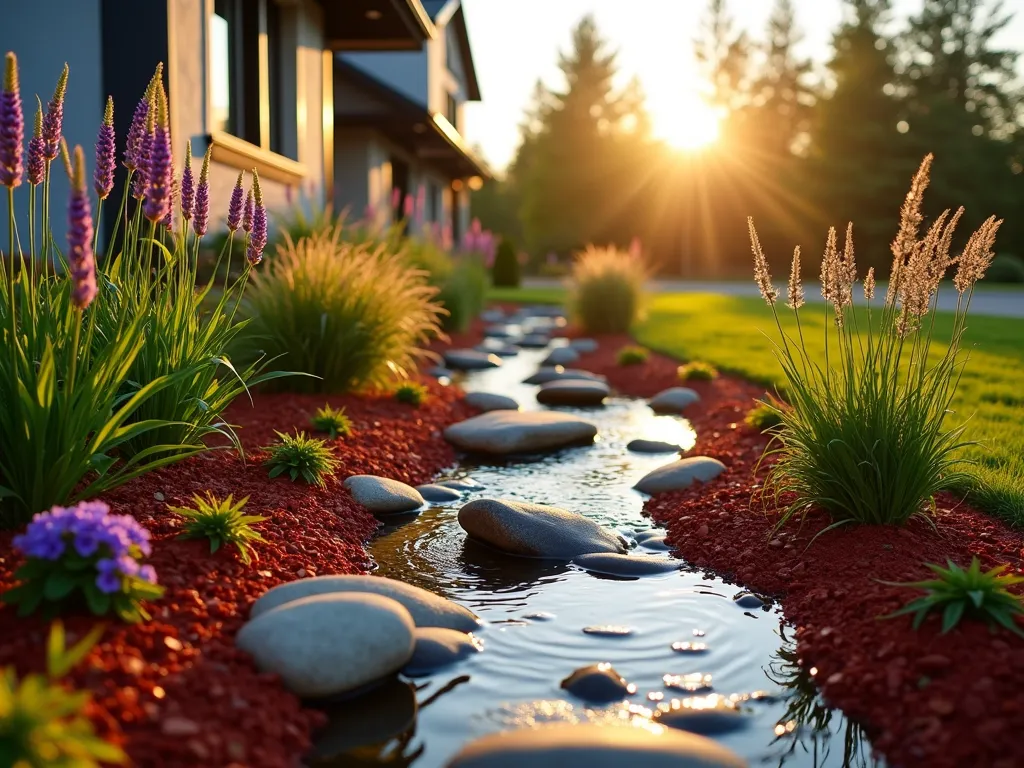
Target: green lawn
(729, 332)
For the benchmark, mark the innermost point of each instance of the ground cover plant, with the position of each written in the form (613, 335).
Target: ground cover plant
(301, 457)
(411, 393)
(697, 371)
(632, 355)
(606, 293)
(333, 421)
(222, 522)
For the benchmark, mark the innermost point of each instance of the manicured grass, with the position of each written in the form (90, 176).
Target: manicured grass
(526, 295)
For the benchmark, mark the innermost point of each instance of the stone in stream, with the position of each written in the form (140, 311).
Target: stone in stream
(748, 600)
(492, 316)
(426, 608)
(327, 645)
(535, 530)
(573, 392)
(625, 565)
(561, 356)
(490, 401)
(558, 373)
(652, 446)
(608, 630)
(689, 647)
(695, 682)
(459, 484)
(584, 346)
(673, 400)
(382, 495)
(502, 350)
(438, 494)
(706, 715)
(680, 474)
(372, 717)
(533, 341)
(655, 543)
(498, 332)
(437, 648)
(598, 683)
(595, 746)
(470, 360)
(504, 432)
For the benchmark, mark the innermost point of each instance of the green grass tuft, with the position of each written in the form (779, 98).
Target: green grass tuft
(302, 457)
(222, 522)
(697, 371)
(333, 421)
(632, 355)
(412, 393)
(607, 293)
(764, 416)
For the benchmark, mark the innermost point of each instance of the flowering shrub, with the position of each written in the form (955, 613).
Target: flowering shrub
(411, 393)
(606, 292)
(865, 437)
(303, 457)
(333, 421)
(697, 371)
(44, 724)
(632, 355)
(222, 522)
(83, 554)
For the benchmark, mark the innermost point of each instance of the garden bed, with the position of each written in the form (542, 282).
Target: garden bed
(174, 691)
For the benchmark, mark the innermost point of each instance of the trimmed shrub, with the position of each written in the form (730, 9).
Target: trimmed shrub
(463, 294)
(348, 315)
(1005, 269)
(697, 371)
(506, 272)
(606, 293)
(632, 356)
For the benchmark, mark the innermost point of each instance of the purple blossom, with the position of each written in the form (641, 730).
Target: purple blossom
(36, 161)
(136, 135)
(148, 573)
(142, 166)
(188, 186)
(159, 174)
(407, 208)
(396, 198)
(81, 263)
(258, 235)
(202, 202)
(91, 529)
(53, 120)
(235, 205)
(108, 579)
(106, 162)
(12, 126)
(247, 214)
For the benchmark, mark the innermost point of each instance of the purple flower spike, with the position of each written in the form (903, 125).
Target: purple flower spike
(36, 161)
(80, 256)
(53, 121)
(168, 219)
(106, 162)
(188, 185)
(248, 212)
(136, 135)
(12, 126)
(142, 167)
(258, 236)
(160, 169)
(235, 205)
(202, 207)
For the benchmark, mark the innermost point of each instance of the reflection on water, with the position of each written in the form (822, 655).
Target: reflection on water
(542, 615)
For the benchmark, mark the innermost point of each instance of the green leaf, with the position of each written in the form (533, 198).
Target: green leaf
(59, 584)
(952, 615)
(977, 597)
(99, 602)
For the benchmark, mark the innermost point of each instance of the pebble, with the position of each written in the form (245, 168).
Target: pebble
(748, 600)
(598, 683)
(608, 630)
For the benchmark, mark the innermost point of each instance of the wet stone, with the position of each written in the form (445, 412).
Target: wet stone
(686, 646)
(491, 401)
(539, 616)
(608, 630)
(382, 495)
(561, 356)
(492, 315)
(695, 682)
(625, 565)
(470, 360)
(437, 648)
(706, 715)
(598, 683)
(573, 392)
(558, 373)
(533, 341)
(655, 543)
(680, 474)
(438, 494)
(673, 400)
(501, 350)
(504, 432)
(459, 484)
(498, 332)
(584, 346)
(652, 533)
(652, 446)
(748, 600)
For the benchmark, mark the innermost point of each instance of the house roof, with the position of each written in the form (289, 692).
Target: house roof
(427, 135)
(458, 24)
(376, 25)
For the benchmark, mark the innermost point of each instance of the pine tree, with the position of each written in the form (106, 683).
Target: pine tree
(723, 56)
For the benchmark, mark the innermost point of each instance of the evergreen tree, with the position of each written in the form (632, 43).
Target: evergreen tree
(723, 56)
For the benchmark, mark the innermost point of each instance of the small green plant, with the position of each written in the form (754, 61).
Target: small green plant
(959, 592)
(764, 415)
(632, 356)
(607, 289)
(333, 421)
(463, 293)
(300, 456)
(697, 371)
(412, 393)
(506, 272)
(222, 522)
(42, 724)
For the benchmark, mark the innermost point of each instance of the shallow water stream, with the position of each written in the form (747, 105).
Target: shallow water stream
(536, 612)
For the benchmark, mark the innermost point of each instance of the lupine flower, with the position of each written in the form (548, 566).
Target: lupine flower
(258, 236)
(12, 126)
(106, 162)
(142, 164)
(188, 185)
(36, 161)
(247, 212)
(762, 275)
(796, 288)
(168, 219)
(235, 205)
(202, 202)
(81, 263)
(161, 165)
(53, 120)
(136, 135)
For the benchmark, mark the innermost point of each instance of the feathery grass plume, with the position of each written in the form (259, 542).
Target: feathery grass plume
(607, 292)
(258, 235)
(53, 120)
(762, 275)
(36, 164)
(81, 263)
(106, 160)
(869, 284)
(910, 223)
(848, 269)
(796, 287)
(977, 255)
(830, 269)
(917, 285)
(12, 125)
(65, 157)
(188, 185)
(235, 204)
(202, 201)
(248, 212)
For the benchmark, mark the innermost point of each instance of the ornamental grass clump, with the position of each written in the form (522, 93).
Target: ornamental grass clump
(352, 316)
(606, 291)
(301, 457)
(222, 522)
(697, 371)
(864, 436)
(632, 355)
(411, 393)
(83, 556)
(333, 421)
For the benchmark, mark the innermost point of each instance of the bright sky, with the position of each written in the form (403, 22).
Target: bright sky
(516, 41)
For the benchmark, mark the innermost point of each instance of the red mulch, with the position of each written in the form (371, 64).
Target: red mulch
(174, 691)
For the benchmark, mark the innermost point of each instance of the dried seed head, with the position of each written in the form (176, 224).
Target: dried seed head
(796, 288)
(910, 223)
(830, 268)
(762, 275)
(977, 255)
(869, 284)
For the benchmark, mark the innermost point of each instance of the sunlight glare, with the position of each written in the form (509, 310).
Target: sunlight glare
(688, 124)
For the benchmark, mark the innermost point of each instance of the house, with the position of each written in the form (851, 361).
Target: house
(253, 79)
(398, 128)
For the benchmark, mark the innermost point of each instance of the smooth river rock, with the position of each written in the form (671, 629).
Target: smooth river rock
(575, 392)
(426, 608)
(498, 332)
(595, 746)
(561, 356)
(437, 648)
(655, 543)
(714, 715)
(625, 565)
(491, 401)
(680, 474)
(461, 484)
(748, 600)
(673, 400)
(492, 315)
(558, 373)
(533, 341)
(651, 533)
(536, 530)
(383, 495)
(598, 683)
(331, 644)
(438, 494)
(584, 346)
(652, 446)
(470, 360)
(501, 350)
(503, 432)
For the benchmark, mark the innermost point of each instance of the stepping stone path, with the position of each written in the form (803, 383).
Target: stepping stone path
(573, 392)
(598, 683)
(383, 496)
(437, 648)
(652, 446)
(625, 565)
(330, 644)
(536, 530)
(583, 346)
(470, 360)
(505, 432)
(438, 493)
(680, 474)
(425, 608)
(490, 401)
(561, 356)
(673, 400)
(557, 373)
(595, 746)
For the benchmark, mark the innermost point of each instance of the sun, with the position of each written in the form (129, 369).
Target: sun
(687, 123)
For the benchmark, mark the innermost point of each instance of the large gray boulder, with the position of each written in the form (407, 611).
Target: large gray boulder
(680, 474)
(470, 360)
(382, 495)
(504, 432)
(595, 746)
(426, 608)
(491, 401)
(673, 400)
(577, 392)
(536, 530)
(328, 645)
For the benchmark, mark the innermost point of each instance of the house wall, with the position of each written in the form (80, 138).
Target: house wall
(405, 71)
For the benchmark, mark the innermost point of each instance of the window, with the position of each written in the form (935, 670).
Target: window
(453, 111)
